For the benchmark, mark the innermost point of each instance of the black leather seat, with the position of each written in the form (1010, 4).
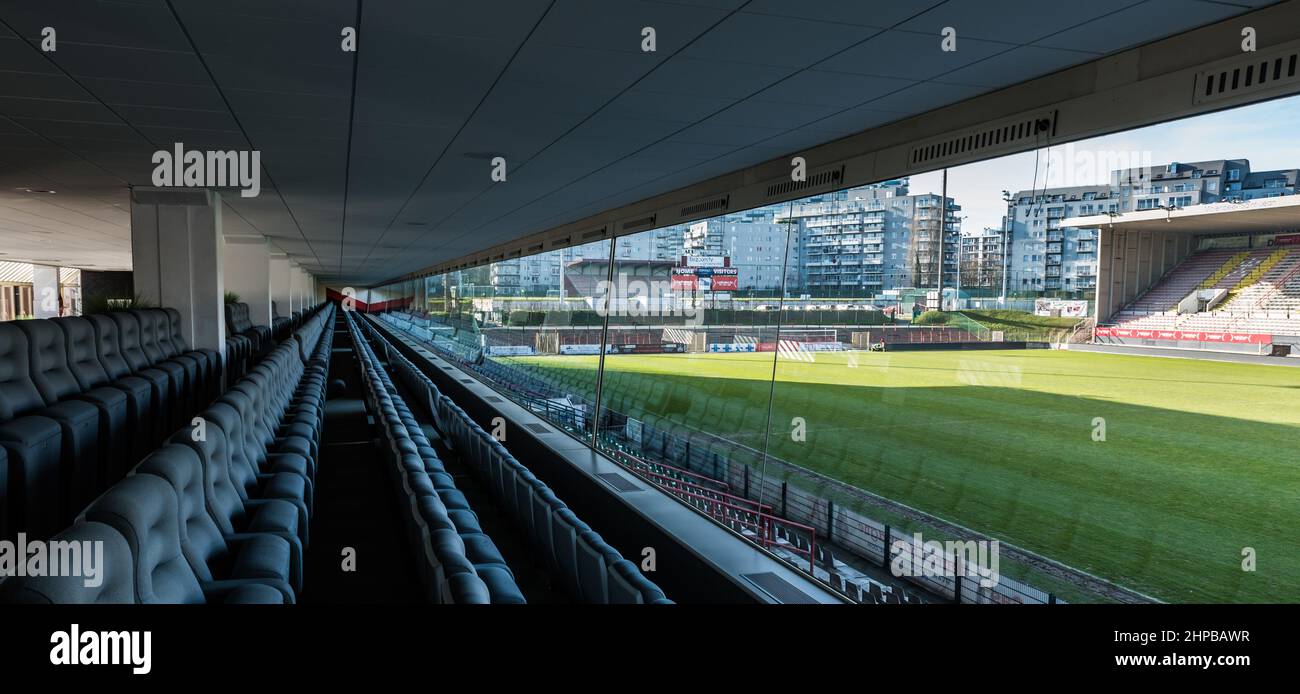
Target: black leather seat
(167, 375)
(154, 351)
(85, 364)
(146, 385)
(78, 425)
(115, 580)
(233, 510)
(214, 555)
(146, 511)
(56, 382)
(196, 363)
(214, 371)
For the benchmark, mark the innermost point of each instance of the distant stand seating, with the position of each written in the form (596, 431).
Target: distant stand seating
(1265, 299)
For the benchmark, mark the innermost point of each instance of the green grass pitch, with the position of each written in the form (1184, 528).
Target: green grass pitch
(1200, 458)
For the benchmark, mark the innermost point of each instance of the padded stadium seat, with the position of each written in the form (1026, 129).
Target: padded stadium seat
(465, 589)
(78, 424)
(233, 509)
(227, 418)
(116, 574)
(211, 356)
(85, 365)
(627, 586)
(56, 382)
(31, 491)
(251, 557)
(196, 363)
(594, 559)
(148, 385)
(565, 528)
(152, 344)
(258, 443)
(544, 505)
(166, 375)
(145, 510)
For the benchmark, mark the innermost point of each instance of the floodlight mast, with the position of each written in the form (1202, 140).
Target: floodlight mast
(1006, 227)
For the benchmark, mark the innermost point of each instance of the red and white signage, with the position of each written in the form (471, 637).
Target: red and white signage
(1187, 335)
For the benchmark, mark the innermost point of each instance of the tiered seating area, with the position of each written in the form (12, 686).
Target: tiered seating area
(589, 569)
(1265, 299)
(82, 399)
(218, 514)
(245, 342)
(1178, 283)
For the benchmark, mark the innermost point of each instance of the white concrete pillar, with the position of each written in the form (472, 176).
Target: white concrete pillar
(45, 291)
(279, 265)
(300, 288)
(176, 256)
(295, 303)
(246, 269)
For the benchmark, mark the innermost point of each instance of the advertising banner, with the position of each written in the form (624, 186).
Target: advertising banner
(1187, 335)
(581, 349)
(509, 350)
(1067, 307)
(705, 260)
(734, 347)
(722, 279)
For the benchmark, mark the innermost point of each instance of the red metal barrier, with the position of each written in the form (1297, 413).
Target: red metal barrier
(744, 516)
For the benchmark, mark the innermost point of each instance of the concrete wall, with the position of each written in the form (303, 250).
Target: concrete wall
(1131, 262)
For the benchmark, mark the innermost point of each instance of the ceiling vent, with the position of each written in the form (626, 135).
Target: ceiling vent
(639, 224)
(706, 208)
(982, 141)
(1257, 73)
(593, 235)
(561, 241)
(815, 182)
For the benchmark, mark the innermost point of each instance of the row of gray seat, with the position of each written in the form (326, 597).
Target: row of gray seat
(82, 400)
(456, 560)
(589, 569)
(219, 514)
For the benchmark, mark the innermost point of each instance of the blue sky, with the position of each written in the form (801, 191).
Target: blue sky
(1267, 134)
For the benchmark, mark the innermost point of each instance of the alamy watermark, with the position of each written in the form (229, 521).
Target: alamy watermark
(39, 558)
(1070, 165)
(209, 169)
(639, 297)
(921, 558)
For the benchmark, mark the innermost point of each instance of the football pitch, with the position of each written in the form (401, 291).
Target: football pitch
(1158, 474)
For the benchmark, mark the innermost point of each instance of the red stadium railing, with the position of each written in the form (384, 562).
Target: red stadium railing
(744, 516)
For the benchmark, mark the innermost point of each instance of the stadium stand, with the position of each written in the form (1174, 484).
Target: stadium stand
(1263, 296)
(587, 568)
(219, 514)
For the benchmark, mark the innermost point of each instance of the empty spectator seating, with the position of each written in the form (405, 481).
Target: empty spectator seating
(457, 562)
(1266, 301)
(587, 568)
(145, 510)
(247, 341)
(1178, 283)
(281, 326)
(201, 519)
(52, 442)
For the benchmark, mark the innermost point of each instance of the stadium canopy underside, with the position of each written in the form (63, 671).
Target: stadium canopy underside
(1136, 249)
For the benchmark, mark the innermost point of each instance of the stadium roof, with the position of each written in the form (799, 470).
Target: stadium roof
(1251, 216)
(376, 163)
